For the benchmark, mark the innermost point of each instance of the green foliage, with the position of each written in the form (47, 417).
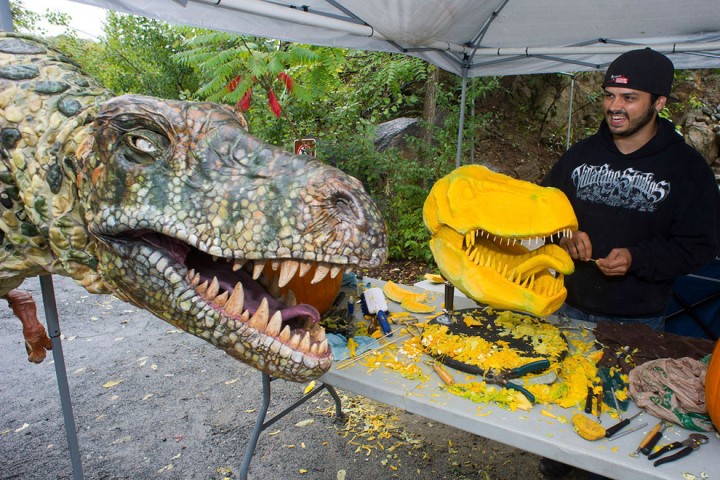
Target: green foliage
(136, 56)
(27, 21)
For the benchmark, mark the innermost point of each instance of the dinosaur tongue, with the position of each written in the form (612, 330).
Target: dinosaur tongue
(254, 293)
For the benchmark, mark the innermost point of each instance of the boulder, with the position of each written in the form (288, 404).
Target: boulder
(393, 134)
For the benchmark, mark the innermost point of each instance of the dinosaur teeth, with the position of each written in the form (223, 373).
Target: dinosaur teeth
(323, 347)
(304, 268)
(294, 341)
(334, 271)
(222, 299)
(202, 287)
(236, 302)
(257, 269)
(320, 272)
(288, 269)
(259, 320)
(237, 265)
(285, 334)
(193, 278)
(213, 289)
(304, 345)
(275, 324)
(274, 264)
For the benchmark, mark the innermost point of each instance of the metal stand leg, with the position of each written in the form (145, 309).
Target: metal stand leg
(261, 425)
(51, 317)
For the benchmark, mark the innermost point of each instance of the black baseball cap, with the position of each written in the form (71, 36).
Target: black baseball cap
(643, 69)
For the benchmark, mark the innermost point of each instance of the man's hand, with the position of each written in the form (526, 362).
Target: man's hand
(578, 246)
(616, 263)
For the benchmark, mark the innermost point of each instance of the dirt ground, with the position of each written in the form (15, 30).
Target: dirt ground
(154, 403)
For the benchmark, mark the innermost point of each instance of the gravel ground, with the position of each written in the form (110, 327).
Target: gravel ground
(151, 402)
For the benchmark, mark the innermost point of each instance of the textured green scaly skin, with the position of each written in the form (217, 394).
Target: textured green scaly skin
(140, 197)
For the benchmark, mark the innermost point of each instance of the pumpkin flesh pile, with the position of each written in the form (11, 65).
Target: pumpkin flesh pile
(480, 223)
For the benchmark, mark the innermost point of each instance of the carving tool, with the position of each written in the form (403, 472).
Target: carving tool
(629, 431)
(442, 373)
(690, 444)
(620, 425)
(589, 400)
(373, 302)
(503, 377)
(652, 438)
(600, 396)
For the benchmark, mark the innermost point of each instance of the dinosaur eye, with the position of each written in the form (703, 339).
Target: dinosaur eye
(143, 145)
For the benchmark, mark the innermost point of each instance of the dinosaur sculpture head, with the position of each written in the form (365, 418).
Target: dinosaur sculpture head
(175, 207)
(204, 225)
(478, 220)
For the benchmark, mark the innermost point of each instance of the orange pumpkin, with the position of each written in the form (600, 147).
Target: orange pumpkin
(320, 295)
(712, 386)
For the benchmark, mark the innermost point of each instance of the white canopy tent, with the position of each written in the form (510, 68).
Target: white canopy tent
(468, 37)
(471, 38)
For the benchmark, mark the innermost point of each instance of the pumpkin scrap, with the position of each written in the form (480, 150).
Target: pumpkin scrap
(586, 428)
(478, 221)
(416, 307)
(398, 294)
(434, 278)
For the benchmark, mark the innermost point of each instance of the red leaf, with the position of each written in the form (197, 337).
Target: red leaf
(285, 78)
(244, 104)
(273, 101)
(232, 84)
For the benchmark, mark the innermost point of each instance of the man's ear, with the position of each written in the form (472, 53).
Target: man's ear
(660, 103)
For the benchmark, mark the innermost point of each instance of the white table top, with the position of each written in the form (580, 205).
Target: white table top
(527, 430)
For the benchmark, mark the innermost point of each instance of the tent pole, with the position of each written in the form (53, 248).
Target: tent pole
(6, 23)
(51, 316)
(463, 97)
(570, 109)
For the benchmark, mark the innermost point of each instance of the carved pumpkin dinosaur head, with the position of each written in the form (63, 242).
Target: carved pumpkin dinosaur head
(480, 223)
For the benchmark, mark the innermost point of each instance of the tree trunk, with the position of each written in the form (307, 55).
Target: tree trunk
(430, 103)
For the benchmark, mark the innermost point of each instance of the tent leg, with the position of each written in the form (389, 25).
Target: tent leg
(261, 424)
(570, 110)
(463, 98)
(6, 23)
(51, 316)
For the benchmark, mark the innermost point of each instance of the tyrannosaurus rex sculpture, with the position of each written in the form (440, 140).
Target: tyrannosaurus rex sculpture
(174, 207)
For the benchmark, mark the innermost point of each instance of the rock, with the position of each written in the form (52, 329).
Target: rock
(392, 134)
(702, 137)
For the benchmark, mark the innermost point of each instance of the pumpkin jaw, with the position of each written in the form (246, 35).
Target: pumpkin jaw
(480, 245)
(502, 271)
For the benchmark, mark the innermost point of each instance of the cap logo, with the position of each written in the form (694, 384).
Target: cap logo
(618, 79)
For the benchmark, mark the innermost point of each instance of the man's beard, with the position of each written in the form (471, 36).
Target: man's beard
(634, 128)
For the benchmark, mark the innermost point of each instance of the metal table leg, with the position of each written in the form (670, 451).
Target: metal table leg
(51, 317)
(261, 424)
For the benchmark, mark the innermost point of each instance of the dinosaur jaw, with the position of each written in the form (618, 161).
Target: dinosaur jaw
(501, 272)
(242, 306)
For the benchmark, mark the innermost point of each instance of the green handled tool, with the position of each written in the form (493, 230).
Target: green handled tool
(503, 377)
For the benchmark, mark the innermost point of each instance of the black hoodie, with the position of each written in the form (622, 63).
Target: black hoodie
(661, 202)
